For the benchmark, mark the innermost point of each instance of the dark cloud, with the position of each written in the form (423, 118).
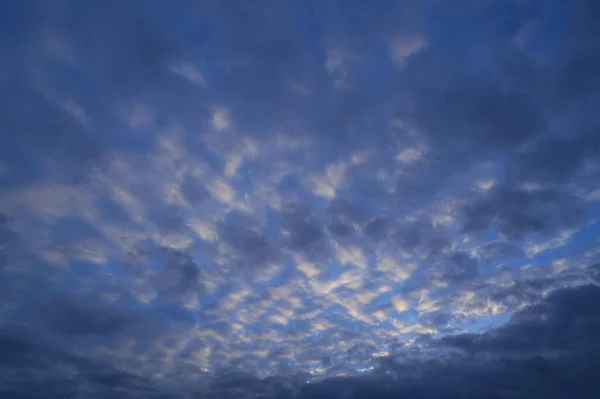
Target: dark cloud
(249, 249)
(179, 277)
(35, 366)
(8, 238)
(306, 233)
(455, 269)
(78, 317)
(380, 228)
(53, 135)
(419, 236)
(193, 190)
(344, 217)
(594, 272)
(341, 229)
(516, 212)
(564, 323)
(555, 160)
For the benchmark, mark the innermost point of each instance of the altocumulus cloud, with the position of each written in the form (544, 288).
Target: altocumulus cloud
(299, 199)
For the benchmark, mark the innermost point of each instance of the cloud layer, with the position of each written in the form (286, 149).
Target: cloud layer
(299, 199)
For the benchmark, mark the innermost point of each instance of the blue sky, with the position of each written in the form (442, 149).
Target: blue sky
(295, 192)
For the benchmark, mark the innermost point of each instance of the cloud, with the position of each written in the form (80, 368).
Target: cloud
(245, 247)
(456, 268)
(75, 317)
(516, 212)
(35, 365)
(299, 199)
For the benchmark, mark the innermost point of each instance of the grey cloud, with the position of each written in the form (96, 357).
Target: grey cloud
(456, 268)
(249, 248)
(53, 134)
(76, 317)
(306, 232)
(420, 236)
(380, 228)
(515, 212)
(594, 272)
(180, 276)
(439, 320)
(344, 217)
(341, 229)
(566, 321)
(193, 190)
(556, 160)
(8, 238)
(498, 250)
(35, 366)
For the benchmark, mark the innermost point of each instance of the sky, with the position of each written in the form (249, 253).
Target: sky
(299, 199)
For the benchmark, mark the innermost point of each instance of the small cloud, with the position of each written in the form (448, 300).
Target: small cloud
(205, 231)
(308, 269)
(77, 112)
(138, 115)
(221, 191)
(400, 304)
(335, 65)
(188, 71)
(401, 49)
(220, 119)
(278, 319)
(532, 249)
(350, 256)
(232, 163)
(559, 265)
(485, 185)
(409, 155)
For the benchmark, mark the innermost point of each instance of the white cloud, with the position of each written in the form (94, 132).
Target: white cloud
(176, 241)
(322, 187)
(532, 249)
(325, 287)
(77, 112)
(309, 269)
(278, 319)
(204, 230)
(410, 155)
(188, 71)
(559, 265)
(350, 256)
(366, 297)
(593, 196)
(221, 191)
(485, 185)
(400, 304)
(232, 163)
(403, 47)
(220, 119)
(394, 271)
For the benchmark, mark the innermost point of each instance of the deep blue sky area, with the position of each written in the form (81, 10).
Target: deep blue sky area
(338, 199)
